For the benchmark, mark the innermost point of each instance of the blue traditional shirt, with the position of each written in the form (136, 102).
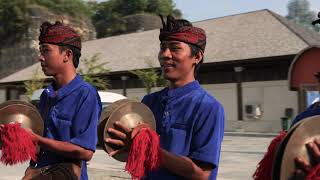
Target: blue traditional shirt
(190, 123)
(72, 116)
(311, 111)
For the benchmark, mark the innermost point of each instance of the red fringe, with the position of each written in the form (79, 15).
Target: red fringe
(17, 145)
(314, 173)
(144, 155)
(264, 168)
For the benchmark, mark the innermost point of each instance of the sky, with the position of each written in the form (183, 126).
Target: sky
(197, 10)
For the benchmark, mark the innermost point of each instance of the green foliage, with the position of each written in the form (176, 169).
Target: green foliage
(13, 20)
(92, 70)
(109, 15)
(128, 7)
(163, 7)
(75, 8)
(300, 13)
(35, 83)
(106, 21)
(150, 78)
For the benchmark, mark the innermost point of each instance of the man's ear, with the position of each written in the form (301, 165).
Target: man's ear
(68, 55)
(198, 57)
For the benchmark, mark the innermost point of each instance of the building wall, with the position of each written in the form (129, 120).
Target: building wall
(226, 94)
(273, 97)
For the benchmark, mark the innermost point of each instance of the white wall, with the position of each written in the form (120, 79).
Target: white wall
(226, 94)
(274, 97)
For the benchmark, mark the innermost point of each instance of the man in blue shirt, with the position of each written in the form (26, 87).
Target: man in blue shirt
(190, 122)
(69, 106)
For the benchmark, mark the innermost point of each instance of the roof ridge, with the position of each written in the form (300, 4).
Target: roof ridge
(243, 13)
(293, 30)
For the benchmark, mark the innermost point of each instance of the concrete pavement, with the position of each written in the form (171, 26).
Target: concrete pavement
(240, 155)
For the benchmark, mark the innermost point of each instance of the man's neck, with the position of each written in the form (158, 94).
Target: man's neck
(180, 83)
(63, 79)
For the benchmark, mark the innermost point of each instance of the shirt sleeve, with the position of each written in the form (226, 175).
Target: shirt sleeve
(311, 111)
(84, 125)
(208, 134)
(147, 100)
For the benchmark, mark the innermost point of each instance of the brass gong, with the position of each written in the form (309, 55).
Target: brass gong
(21, 112)
(277, 162)
(105, 114)
(304, 132)
(129, 113)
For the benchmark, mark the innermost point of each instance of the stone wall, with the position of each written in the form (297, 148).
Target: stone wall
(24, 53)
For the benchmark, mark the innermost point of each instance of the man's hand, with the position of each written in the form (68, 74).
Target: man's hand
(120, 137)
(302, 165)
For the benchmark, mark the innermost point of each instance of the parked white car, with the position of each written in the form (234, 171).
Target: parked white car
(107, 98)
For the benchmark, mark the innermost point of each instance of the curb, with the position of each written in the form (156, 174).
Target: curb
(250, 134)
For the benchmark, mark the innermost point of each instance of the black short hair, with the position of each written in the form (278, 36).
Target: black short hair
(194, 51)
(75, 51)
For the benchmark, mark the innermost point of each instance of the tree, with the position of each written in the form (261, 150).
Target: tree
(35, 83)
(14, 21)
(163, 7)
(109, 16)
(300, 13)
(106, 21)
(74, 8)
(128, 7)
(92, 72)
(150, 78)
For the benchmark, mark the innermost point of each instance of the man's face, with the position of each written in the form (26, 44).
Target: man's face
(176, 61)
(51, 59)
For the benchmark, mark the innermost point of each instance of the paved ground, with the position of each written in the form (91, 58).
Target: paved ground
(240, 155)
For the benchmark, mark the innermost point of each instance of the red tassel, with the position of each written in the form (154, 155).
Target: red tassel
(314, 173)
(264, 168)
(144, 154)
(17, 145)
